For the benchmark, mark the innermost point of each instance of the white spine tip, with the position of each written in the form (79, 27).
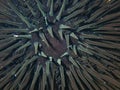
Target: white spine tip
(59, 61)
(50, 59)
(15, 35)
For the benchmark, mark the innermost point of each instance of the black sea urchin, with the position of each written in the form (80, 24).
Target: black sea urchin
(59, 44)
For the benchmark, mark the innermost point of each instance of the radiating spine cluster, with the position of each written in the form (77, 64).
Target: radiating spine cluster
(59, 45)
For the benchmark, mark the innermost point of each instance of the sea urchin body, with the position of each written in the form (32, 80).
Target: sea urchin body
(59, 45)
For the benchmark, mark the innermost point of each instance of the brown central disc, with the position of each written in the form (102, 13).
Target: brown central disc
(56, 47)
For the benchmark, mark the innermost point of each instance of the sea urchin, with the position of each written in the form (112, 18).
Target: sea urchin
(59, 44)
